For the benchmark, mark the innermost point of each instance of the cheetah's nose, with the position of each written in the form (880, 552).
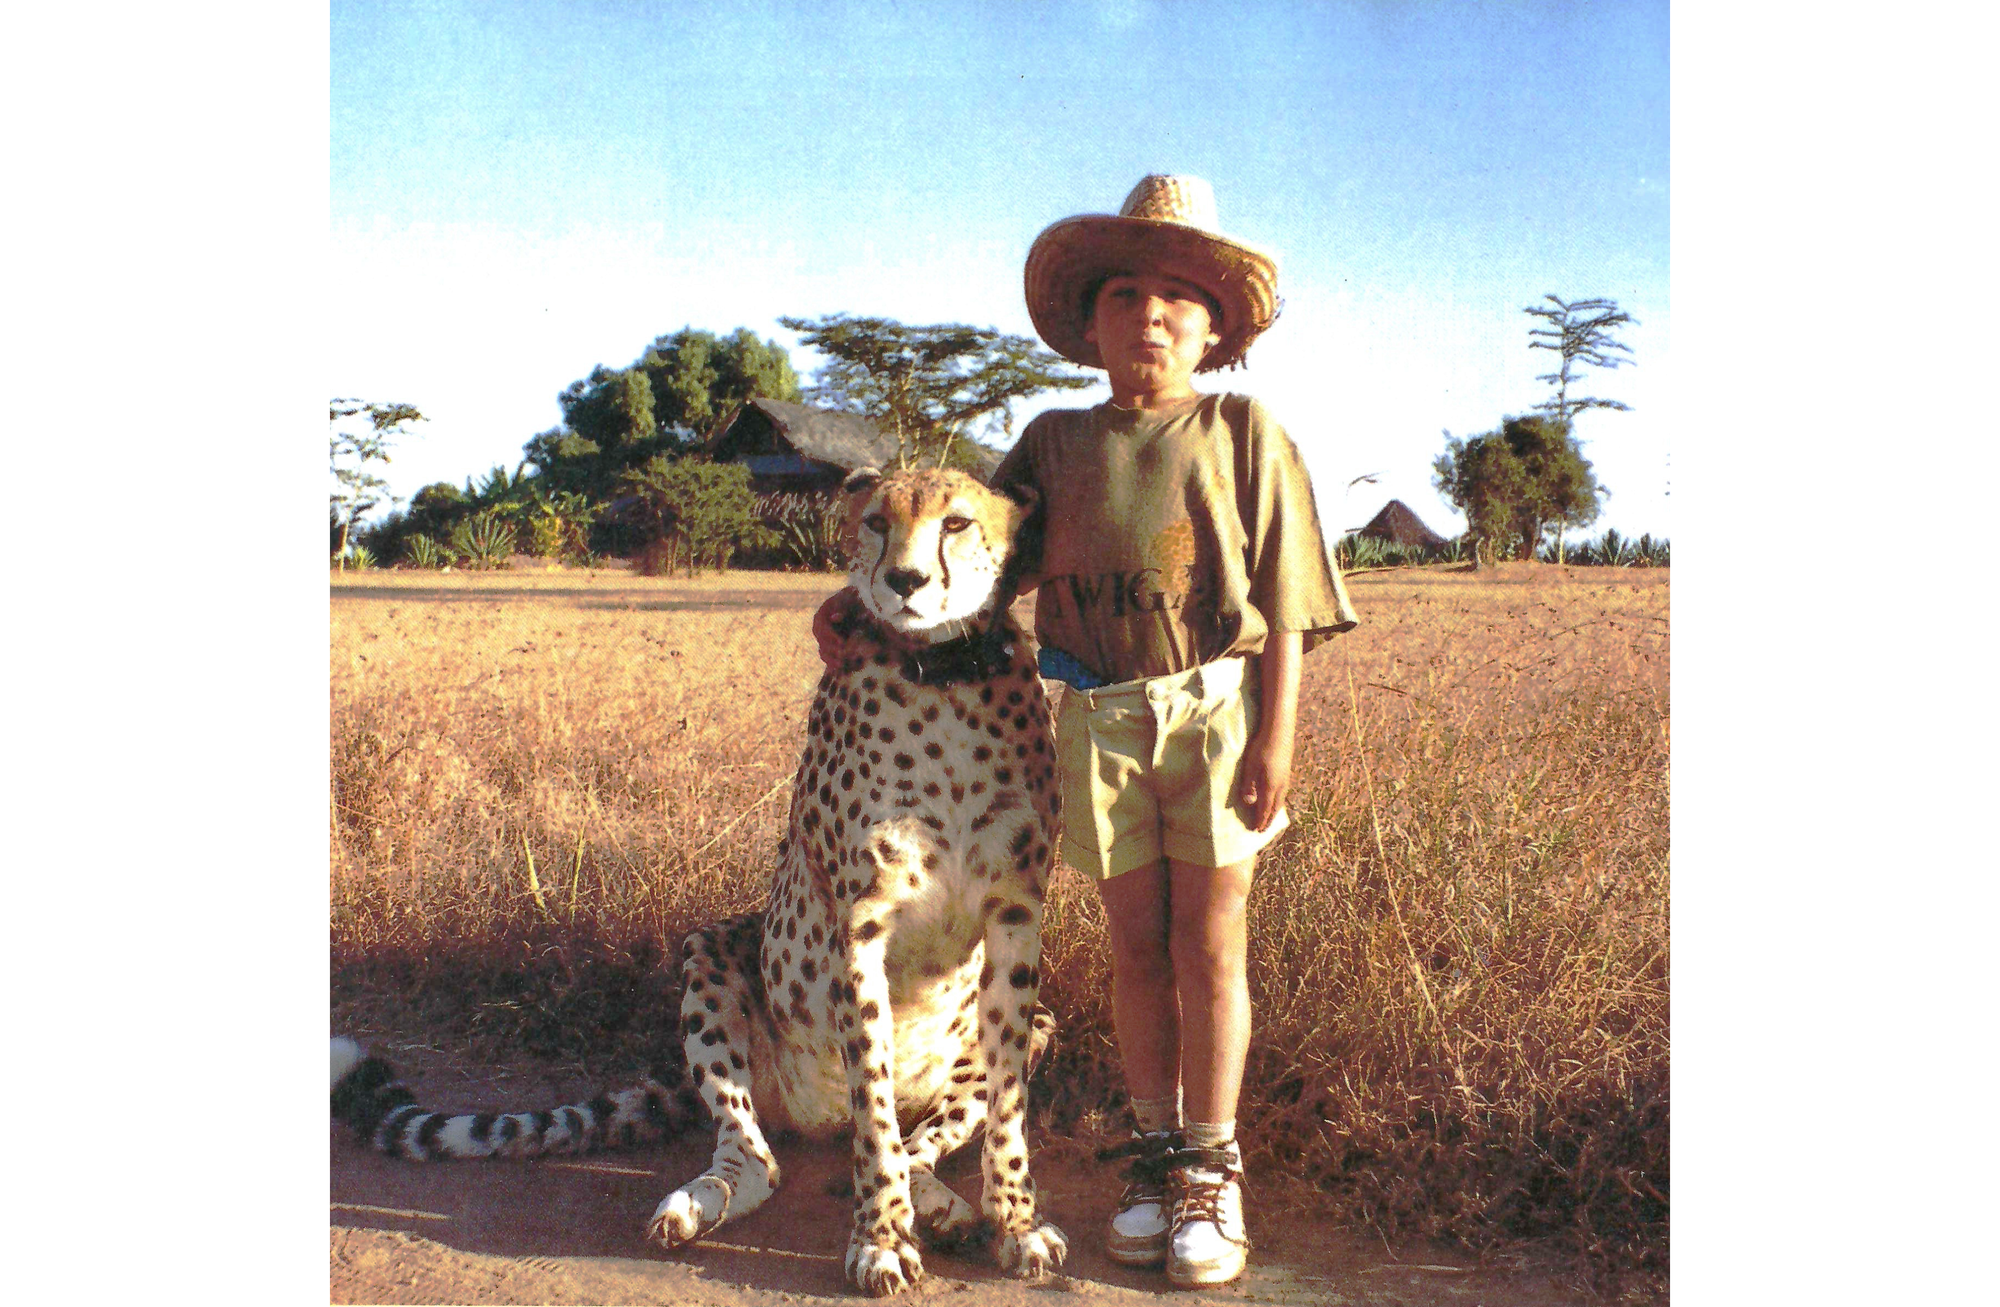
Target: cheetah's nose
(905, 581)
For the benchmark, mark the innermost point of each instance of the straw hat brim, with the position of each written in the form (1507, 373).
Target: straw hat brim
(1070, 256)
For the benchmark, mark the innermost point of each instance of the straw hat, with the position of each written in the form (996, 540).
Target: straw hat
(1167, 224)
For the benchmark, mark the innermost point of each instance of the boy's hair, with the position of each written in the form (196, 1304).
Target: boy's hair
(1096, 285)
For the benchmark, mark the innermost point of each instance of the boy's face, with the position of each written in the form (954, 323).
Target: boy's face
(1152, 330)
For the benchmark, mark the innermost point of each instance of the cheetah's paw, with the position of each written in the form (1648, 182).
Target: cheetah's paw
(945, 1220)
(689, 1212)
(883, 1264)
(1032, 1254)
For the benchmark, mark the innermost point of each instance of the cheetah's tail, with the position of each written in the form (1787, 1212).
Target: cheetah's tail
(368, 1096)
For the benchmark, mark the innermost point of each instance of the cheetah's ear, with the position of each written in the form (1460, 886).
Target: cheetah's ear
(1026, 500)
(862, 480)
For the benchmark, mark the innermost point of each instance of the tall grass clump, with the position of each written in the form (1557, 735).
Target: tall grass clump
(531, 801)
(1462, 947)
(1459, 951)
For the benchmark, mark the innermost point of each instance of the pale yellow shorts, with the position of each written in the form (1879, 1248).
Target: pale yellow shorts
(1149, 770)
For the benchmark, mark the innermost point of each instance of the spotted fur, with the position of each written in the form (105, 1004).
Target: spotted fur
(891, 981)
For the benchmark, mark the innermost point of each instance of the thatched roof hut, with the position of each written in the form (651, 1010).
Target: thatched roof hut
(1398, 525)
(797, 447)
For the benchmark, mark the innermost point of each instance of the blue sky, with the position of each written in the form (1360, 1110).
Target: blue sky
(522, 191)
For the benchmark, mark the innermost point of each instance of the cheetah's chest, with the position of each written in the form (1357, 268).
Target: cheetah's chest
(947, 778)
(918, 810)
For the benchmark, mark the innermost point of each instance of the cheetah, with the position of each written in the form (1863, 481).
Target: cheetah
(891, 981)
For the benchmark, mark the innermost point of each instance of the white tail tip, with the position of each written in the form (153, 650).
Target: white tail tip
(346, 1055)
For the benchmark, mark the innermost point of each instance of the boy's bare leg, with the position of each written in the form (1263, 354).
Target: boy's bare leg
(1144, 1006)
(1209, 944)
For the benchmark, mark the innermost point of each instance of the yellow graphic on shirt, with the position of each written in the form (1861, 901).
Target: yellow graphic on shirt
(1170, 582)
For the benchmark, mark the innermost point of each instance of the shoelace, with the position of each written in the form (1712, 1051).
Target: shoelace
(1156, 1156)
(1201, 1199)
(1152, 1162)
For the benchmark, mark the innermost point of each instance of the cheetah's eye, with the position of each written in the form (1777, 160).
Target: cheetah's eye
(877, 523)
(953, 525)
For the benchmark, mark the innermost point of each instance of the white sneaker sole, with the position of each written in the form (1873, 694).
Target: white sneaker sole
(1201, 1277)
(1130, 1252)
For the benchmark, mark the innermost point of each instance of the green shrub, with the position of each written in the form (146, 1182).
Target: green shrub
(703, 512)
(424, 553)
(484, 541)
(808, 528)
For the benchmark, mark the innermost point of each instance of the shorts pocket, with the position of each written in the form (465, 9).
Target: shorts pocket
(1226, 727)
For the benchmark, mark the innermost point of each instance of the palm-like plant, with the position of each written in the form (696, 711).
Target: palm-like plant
(1615, 550)
(485, 540)
(1356, 551)
(809, 527)
(424, 553)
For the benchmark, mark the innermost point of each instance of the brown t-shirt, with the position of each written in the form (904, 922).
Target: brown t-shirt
(1169, 538)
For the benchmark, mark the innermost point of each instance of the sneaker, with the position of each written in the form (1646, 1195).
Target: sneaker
(1138, 1231)
(1208, 1244)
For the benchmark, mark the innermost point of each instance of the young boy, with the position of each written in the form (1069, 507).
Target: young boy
(1181, 574)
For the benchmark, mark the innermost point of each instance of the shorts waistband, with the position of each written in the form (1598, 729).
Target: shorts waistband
(1207, 681)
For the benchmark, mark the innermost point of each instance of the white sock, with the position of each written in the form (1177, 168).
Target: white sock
(1210, 1134)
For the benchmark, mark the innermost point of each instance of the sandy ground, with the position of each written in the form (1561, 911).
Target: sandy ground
(568, 1230)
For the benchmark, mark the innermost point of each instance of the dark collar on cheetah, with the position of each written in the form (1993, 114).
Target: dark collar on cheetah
(977, 657)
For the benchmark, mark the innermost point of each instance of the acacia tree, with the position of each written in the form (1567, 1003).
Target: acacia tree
(935, 386)
(1515, 483)
(352, 447)
(1580, 332)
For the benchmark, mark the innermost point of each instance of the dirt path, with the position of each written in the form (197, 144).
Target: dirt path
(567, 1231)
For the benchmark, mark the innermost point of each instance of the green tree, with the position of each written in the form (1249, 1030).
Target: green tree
(433, 512)
(360, 433)
(607, 426)
(1580, 332)
(436, 507)
(1515, 483)
(557, 525)
(565, 460)
(676, 395)
(699, 380)
(499, 489)
(935, 387)
(704, 511)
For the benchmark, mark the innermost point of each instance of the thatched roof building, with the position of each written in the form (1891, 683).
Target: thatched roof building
(1398, 525)
(797, 447)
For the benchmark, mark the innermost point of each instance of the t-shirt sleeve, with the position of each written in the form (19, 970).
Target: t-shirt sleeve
(1294, 580)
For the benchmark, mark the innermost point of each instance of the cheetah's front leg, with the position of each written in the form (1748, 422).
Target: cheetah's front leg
(882, 1255)
(717, 965)
(1028, 1247)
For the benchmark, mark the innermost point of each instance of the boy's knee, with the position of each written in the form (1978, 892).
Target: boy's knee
(1208, 952)
(1200, 970)
(1142, 957)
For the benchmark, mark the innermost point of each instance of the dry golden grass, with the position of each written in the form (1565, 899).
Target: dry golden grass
(1459, 954)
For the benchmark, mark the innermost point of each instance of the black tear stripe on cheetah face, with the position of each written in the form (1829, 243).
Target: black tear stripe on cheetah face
(891, 981)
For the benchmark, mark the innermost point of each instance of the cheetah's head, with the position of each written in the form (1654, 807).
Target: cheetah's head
(930, 548)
